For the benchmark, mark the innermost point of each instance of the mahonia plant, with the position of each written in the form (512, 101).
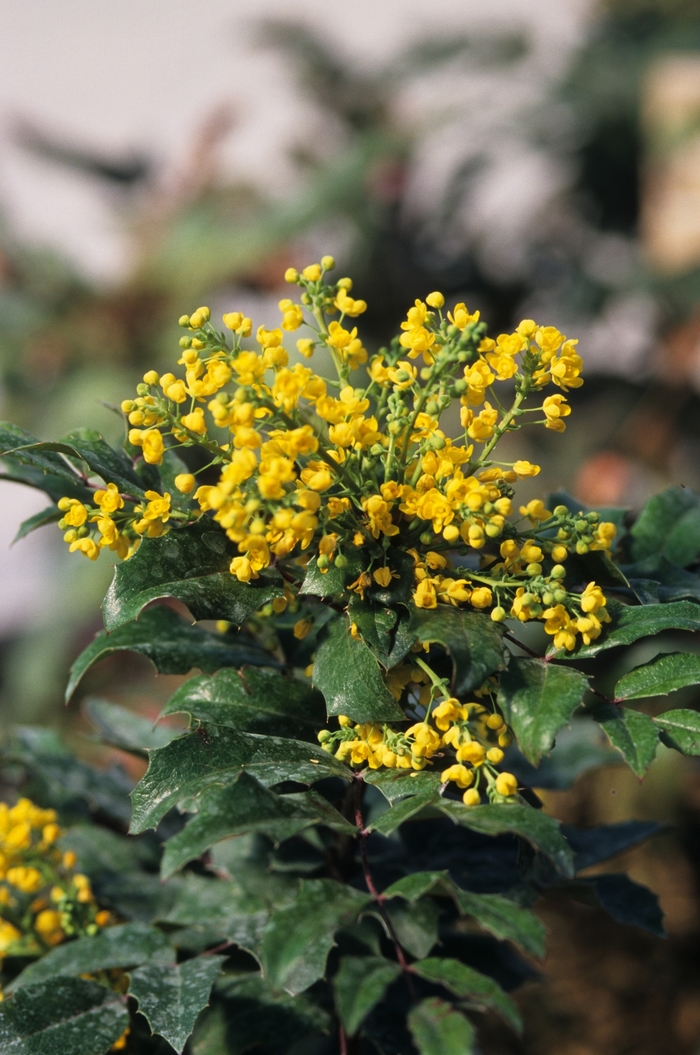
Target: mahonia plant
(371, 711)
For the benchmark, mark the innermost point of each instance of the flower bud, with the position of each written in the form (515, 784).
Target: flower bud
(327, 263)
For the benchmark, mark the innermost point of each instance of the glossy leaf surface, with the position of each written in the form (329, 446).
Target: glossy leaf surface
(172, 995)
(350, 679)
(66, 1016)
(537, 699)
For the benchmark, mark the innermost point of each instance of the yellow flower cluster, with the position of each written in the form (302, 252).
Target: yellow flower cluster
(354, 469)
(43, 899)
(465, 738)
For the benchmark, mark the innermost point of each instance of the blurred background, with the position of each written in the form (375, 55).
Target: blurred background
(536, 160)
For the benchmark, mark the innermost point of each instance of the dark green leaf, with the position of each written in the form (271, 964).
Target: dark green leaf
(253, 701)
(173, 645)
(114, 466)
(187, 765)
(331, 582)
(126, 945)
(171, 996)
(664, 674)
(668, 524)
(537, 699)
(66, 1016)
(501, 917)
(536, 827)
(396, 784)
(415, 924)
(468, 984)
(391, 819)
(359, 985)
(655, 579)
(100, 851)
(389, 632)
(630, 902)
(630, 623)
(632, 733)
(593, 845)
(349, 677)
(44, 470)
(474, 642)
(46, 516)
(439, 1029)
(124, 729)
(218, 904)
(299, 937)
(682, 729)
(247, 806)
(504, 919)
(192, 565)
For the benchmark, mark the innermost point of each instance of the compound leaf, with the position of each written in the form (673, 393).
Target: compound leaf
(171, 996)
(537, 699)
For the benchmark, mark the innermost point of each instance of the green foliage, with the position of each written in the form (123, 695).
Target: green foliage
(67, 1016)
(282, 883)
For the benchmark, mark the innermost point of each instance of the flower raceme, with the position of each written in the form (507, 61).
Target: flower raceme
(43, 899)
(354, 469)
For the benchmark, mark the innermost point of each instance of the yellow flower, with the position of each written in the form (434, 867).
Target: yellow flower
(524, 468)
(506, 784)
(152, 446)
(110, 500)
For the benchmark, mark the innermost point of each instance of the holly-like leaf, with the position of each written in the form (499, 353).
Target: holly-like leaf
(396, 784)
(114, 466)
(359, 985)
(349, 677)
(220, 905)
(504, 919)
(669, 524)
(388, 822)
(46, 516)
(630, 623)
(389, 632)
(537, 699)
(171, 996)
(192, 565)
(415, 924)
(593, 845)
(468, 984)
(536, 827)
(216, 755)
(630, 902)
(632, 733)
(333, 580)
(247, 806)
(66, 1016)
(655, 579)
(299, 937)
(501, 917)
(664, 674)
(126, 945)
(474, 642)
(682, 730)
(172, 644)
(438, 1028)
(124, 729)
(253, 701)
(45, 470)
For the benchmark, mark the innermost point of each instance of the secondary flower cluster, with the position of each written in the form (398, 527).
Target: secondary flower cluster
(43, 900)
(465, 739)
(351, 468)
